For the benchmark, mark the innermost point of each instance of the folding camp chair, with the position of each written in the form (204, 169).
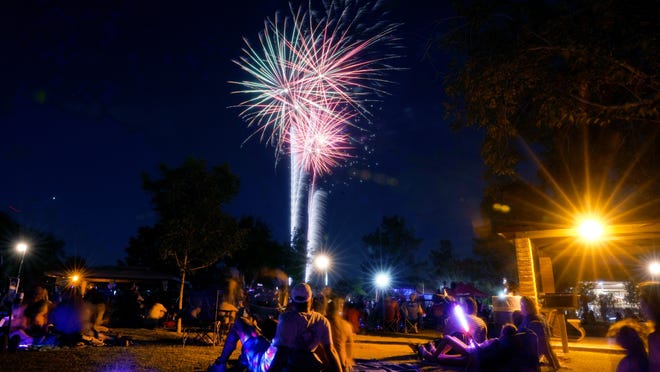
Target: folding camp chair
(225, 320)
(410, 326)
(204, 334)
(391, 325)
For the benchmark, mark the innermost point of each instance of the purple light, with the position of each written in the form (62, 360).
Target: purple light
(460, 315)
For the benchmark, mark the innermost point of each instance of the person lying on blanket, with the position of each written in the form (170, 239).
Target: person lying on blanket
(512, 351)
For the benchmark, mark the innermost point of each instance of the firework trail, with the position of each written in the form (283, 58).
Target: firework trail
(316, 217)
(320, 145)
(310, 75)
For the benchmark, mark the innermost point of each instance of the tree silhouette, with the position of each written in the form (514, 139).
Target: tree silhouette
(393, 244)
(192, 231)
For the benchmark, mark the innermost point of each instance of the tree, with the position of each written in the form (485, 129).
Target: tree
(497, 258)
(576, 81)
(259, 251)
(569, 88)
(393, 244)
(45, 252)
(587, 293)
(534, 69)
(443, 262)
(631, 295)
(192, 230)
(143, 250)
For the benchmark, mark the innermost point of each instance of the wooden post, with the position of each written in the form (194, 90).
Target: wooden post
(525, 263)
(547, 276)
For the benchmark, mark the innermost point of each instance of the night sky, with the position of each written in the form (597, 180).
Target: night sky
(95, 95)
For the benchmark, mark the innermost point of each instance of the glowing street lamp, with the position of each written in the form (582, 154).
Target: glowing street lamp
(654, 269)
(323, 263)
(591, 230)
(382, 281)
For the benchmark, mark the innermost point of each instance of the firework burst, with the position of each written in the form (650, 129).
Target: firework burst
(305, 64)
(322, 142)
(310, 76)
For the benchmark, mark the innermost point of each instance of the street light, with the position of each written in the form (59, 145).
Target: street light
(654, 268)
(382, 281)
(323, 263)
(21, 247)
(591, 230)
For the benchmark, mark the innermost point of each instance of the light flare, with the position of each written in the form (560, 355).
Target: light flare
(462, 320)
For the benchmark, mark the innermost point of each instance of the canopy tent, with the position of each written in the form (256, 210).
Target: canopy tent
(465, 289)
(110, 275)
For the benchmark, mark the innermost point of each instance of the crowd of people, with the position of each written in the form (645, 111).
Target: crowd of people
(297, 330)
(316, 333)
(304, 339)
(66, 317)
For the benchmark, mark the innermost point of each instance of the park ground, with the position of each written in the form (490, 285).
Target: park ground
(162, 350)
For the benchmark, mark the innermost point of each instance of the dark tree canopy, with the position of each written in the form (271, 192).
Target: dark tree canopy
(535, 69)
(45, 251)
(260, 251)
(572, 88)
(192, 230)
(143, 250)
(395, 245)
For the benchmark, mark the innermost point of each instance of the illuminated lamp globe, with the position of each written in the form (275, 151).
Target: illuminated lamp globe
(21, 247)
(654, 268)
(322, 262)
(382, 280)
(590, 230)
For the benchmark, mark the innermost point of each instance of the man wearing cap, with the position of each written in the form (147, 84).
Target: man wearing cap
(300, 332)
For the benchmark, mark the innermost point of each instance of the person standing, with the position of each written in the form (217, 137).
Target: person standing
(342, 333)
(414, 314)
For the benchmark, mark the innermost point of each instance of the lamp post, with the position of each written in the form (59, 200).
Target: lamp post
(21, 247)
(590, 230)
(382, 281)
(654, 269)
(323, 263)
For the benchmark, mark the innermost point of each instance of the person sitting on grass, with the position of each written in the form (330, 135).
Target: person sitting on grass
(534, 321)
(477, 331)
(300, 333)
(510, 352)
(257, 353)
(649, 297)
(628, 335)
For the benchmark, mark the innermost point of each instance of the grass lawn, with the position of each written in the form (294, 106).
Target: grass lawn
(152, 350)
